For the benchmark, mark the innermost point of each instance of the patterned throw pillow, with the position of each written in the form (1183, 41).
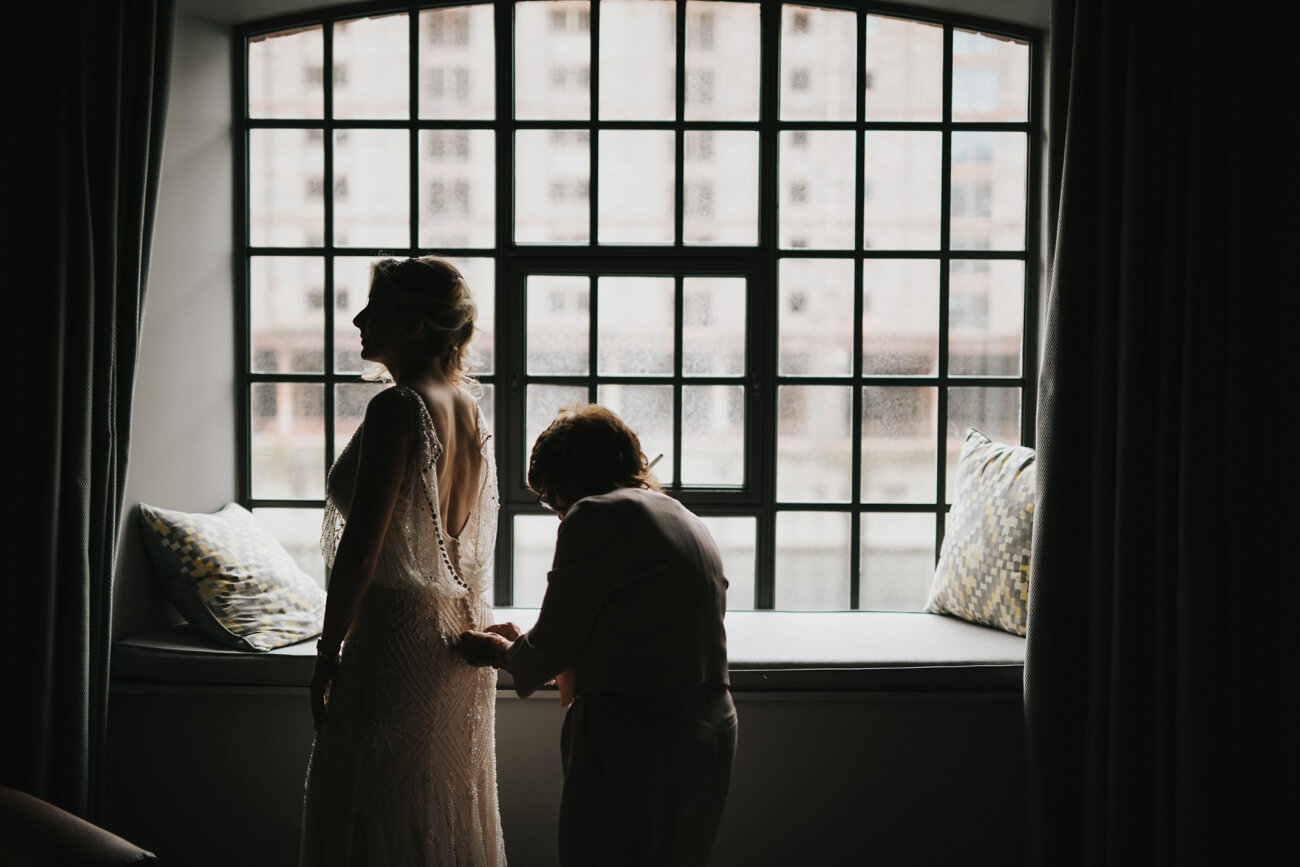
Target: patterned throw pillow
(983, 571)
(231, 579)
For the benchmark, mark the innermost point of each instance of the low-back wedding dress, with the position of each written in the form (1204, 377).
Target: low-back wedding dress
(403, 772)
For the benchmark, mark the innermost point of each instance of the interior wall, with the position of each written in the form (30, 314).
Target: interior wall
(183, 423)
(204, 775)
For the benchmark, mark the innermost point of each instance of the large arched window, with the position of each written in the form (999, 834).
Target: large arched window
(791, 244)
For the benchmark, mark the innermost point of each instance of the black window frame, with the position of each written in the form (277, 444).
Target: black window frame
(758, 264)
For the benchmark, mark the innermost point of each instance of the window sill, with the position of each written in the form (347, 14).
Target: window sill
(850, 651)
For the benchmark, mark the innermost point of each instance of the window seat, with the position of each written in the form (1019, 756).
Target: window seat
(769, 651)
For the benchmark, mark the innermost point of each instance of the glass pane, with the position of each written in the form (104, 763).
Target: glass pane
(736, 542)
(720, 187)
(552, 185)
(457, 62)
(899, 424)
(457, 188)
(819, 64)
(904, 69)
(350, 401)
(634, 325)
(815, 317)
(713, 326)
(480, 275)
(988, 190)
(638, 59)
(298, 530)
(648, 410)
(286, 74)
(713, 435)
(533, 555)
(900, 317)
(813, 448)
(286, 314)
(487, 403)
(286, 185)
(559, 323)
(986, 315)
(552, 60)
(994, 412)
(897, 562)
(990, 77)
(635, 202)
(351, 291)
(722, 60)
(902, 180)
(812, 561)
(288, 440)
(817, 183)
(372, 188)
(371, 68)
(542, 404)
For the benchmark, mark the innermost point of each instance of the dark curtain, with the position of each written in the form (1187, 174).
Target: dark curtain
(88, 88)
(1161, 664)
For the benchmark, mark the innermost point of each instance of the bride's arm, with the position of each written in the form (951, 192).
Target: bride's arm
(381, 466)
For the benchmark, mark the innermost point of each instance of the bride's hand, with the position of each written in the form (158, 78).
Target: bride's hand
(508, 631)
(482, 648)
(322, 677)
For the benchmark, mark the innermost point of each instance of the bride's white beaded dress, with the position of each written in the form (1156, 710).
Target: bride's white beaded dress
(404, 770)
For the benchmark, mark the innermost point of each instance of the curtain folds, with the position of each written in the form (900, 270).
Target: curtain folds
(1161, 671)
(85, 143)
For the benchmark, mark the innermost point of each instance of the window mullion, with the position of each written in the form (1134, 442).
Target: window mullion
(508, 394)
(1033, 198)
(945, 267)
(327, 140)
(413, 92)
(511, 403)
(763, 337)
(678, 374)
(679, 181)
(242, 276)
(593, 347)
(593, 136)
(856, 402)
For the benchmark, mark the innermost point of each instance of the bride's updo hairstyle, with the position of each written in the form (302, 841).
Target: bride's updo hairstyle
(434, 290)
(587, 450)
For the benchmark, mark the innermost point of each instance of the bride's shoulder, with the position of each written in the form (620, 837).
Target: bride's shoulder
(395, 400)
(393, 409)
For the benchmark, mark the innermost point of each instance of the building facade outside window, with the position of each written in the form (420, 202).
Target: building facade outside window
(789, 243)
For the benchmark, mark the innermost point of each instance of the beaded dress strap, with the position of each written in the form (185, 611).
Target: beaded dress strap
(433, 450)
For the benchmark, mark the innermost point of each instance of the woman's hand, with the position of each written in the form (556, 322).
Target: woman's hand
(508, 631)
(322, 677)
(483, 648)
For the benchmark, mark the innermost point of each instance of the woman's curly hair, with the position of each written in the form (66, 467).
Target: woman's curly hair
(587, 450)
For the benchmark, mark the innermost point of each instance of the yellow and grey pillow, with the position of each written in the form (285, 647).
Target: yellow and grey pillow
(231, 579)
(983, 570)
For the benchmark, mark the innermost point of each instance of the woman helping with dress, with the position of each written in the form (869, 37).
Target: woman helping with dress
(403, 767)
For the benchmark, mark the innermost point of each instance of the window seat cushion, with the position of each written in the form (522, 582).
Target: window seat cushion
(769, 651)
(179, 654)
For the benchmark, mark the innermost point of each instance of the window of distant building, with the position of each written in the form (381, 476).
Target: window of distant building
(799, 279)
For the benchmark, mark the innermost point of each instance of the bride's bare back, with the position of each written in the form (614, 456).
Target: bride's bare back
(455, 420)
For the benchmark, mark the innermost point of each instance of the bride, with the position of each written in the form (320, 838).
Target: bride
(403, 767)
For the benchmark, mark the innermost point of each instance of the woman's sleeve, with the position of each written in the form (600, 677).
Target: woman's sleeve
(576, 587)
